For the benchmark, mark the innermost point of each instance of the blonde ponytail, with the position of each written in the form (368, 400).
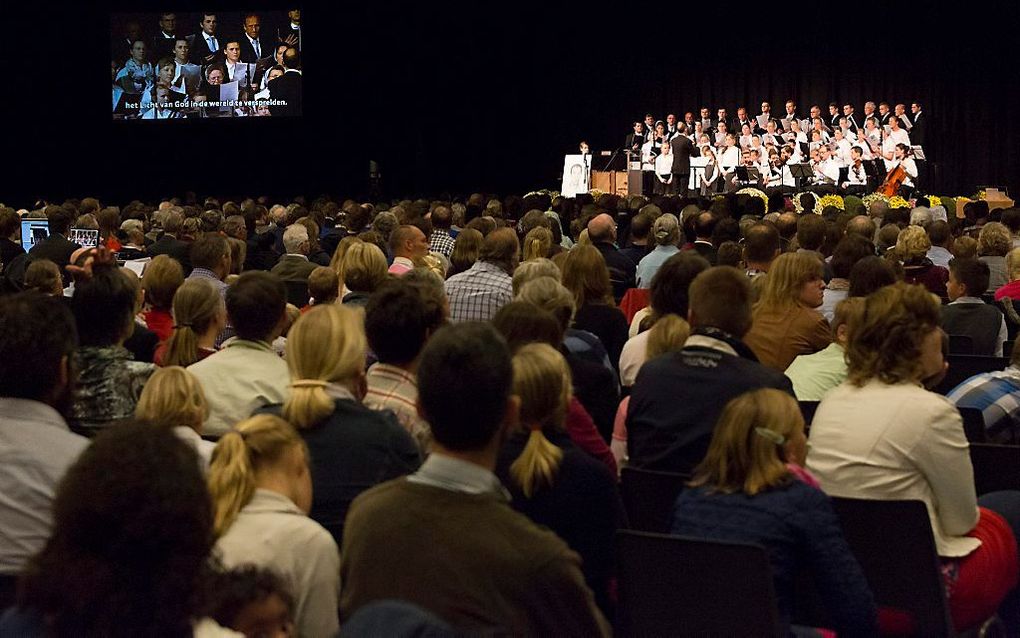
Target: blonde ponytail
(537, 243)
(669, 333)
(542, 381)
(253, 444)
(195, 307)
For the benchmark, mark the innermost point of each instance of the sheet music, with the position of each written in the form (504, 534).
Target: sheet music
(762, 120)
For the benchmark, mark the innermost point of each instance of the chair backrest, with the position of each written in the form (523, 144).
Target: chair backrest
(634, 299)
(961, 344)
(996, 467)
(973, 424)
(893, 542)
(8, 590)
(649, 497)
(964, 366)
(673, 585)
(808, 409)
(297, 292)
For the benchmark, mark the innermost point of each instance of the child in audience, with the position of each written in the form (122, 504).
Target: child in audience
(751, 488)
(199, 317)
(967, 314)
(252, 601)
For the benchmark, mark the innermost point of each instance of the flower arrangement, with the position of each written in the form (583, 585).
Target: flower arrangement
(596, 193)
(799, 206)
(853, 204)
(831, 200)
(757, 193)
(871, 198)
(979, 195)
(898, 202)
(934, 200)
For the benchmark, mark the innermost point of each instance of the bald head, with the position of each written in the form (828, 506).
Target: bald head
(863, 226)
(408, 241)
(602, 228)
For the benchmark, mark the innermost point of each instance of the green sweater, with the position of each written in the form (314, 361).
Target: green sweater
(470, 559)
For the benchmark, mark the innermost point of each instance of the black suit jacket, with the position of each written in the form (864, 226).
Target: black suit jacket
(288, 88)
(179, 250)
(200, 48)
(57, 249)
(917, 132)
(682, 150)
(634, 139)
(160, 47)
(248, 51)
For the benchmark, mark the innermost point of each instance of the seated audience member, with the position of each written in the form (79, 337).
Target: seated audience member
(585, 275)
(1011, 289)
(967, 314)
(761, 247)
(170, 242)
(261, 489)
(666, 232)
(965, 247)
(913, 245)
(849, 250)
(704, 223)
(408, 245)
(135, 492)
(552, 482)
(994, 243)
(199, 316)
(812, 375)
(247, 373)
(44, 277)
(487, 567)
(466, 250)
(522, 323)
(141, 342)
(602, 233)
(351, 447)
(870, 274)
(160, 280)
(639, 243)
(323, 287)
(811, 237)
(441, 241)
(537, 244)
(533, 269)
(786, 320)
(399, 319)
(172, 399)
(210, 259)
(35, 443)
(294, 265)
(10, 232)
(110, 380)
(882, 435)
(252, 601)
(364, 270)
(941, 237)
(995, 394)
(476, 294)
(713, 367)
(57, 247)
(751, 488)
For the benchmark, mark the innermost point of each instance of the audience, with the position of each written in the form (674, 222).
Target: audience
(995, 394)
(666, 232)
(323, 287)
(466, 250)
(1011, 289)
(812, 375)
(364, 270)
(994, 243)
(477, 293)
(43, 276)
(912, 246)
(199, 317)
(56, 247)
(586, 277)
(483, 567)
(602, 234)
(160, 281)
(172, 399)
(210, 259)
(294, 265)
(252, 601)
(261, 491)
(967, 314)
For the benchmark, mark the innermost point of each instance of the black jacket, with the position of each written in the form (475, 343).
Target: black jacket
(57, 249)
(179, 250)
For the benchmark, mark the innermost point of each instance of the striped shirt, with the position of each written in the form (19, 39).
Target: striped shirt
(997, 395)
(396, 389)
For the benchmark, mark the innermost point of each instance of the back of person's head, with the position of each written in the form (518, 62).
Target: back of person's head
(994, 240)
(850, 250)
(172, 397)
(9, 221)
(640, 226)
(887, 343)
(59, 219)
(751, 444)
(160, 280)
(132, 533)
(501, 247)
(364, 267)
(295, 239)
(252, 445)
(255, 305)
(552, 296)
(399, 319)
(43, 275)
(672, 282)
(720, 298)
(972, 273)
(965, 247)
(521, 323)
(441, 217)
(869, 274)
(810, 231)
(103, 307)
(586, 275)
(208, 251)
(40, 326)
(466, 250)
(197, 306)
(704, 225)
(461, 361)
(232, 595)
(173, 220)
(326, 345)
(323, 285)
(912, 244)
(786, 279)
(533, 269)
(861, 225)
(761, 243)
(1011, 219)
(543, 384)
(938, 233)
(537, 244)
(846, 312)
(666, 230)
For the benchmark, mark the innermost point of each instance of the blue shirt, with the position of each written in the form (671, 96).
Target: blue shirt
(651, 263)
(997, 395)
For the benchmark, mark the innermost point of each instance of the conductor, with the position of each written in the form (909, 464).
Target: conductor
(682, 149)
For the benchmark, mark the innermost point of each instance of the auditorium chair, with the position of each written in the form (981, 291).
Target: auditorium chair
(973, 424)
(634, 299)
(649, 497)
(808, 408)
(996, 467)
(961, 344)
(8, 590)
(964, 366)
(678, 586)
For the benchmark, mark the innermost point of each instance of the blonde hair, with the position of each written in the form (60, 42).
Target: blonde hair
(326, 345)
(337, 261)
(542, 381)
(172, 397)
(197, 303)
(550, 295)
(364, 267)
(253, 444)
(912, 243)
(669, 333)
(964, 247)
(1013, 264)
(746, 453)
(161, 279)
(586, 276)
(531, 270)
(994, 240)
(783, 283)
(537, 243)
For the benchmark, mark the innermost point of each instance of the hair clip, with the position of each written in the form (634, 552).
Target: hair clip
(772, 436)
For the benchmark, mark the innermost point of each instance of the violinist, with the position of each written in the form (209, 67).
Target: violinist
(857, 179)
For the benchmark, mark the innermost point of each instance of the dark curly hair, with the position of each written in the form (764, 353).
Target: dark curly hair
(230, 591)
(132, 533)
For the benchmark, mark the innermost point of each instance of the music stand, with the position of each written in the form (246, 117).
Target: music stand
(801, 173)
(918, 153)
(748, 174)
(871, 168)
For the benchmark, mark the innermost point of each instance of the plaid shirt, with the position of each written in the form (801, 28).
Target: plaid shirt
(997, 395)
(478, 293)
(392, 388)
(441, 242)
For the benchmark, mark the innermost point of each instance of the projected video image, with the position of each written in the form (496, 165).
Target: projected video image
(167, 66)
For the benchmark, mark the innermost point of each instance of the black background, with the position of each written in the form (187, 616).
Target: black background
(458, 97)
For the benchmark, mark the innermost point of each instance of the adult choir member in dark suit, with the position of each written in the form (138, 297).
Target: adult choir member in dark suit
(920, 121)
(682, 150)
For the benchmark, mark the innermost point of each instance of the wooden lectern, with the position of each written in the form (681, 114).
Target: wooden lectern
(610, 182)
